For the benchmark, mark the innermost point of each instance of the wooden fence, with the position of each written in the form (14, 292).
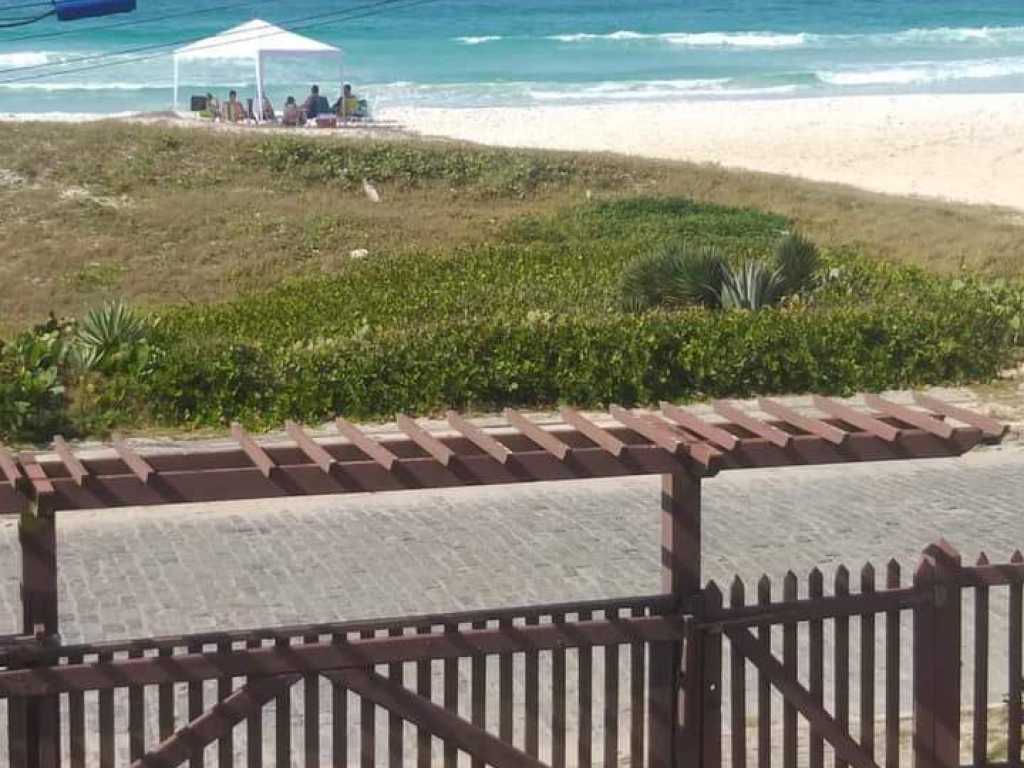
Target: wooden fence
(874, 670)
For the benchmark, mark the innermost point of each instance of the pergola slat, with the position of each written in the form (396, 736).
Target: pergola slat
(40, 482)
(717, 435)
(366, 444)
(76, 469)
(310, 447)
(9, 467)
(808, 424)
(440, 452)
(256, 454)
(139, 466)
(910, 416)
(990, 427)
(749, 423)
(659, 435)
(857, 418)
(541, 437)
(597, 435)
(479, 438)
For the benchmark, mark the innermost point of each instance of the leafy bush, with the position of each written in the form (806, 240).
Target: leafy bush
(31, 390)
(798, 261)
(108, 336)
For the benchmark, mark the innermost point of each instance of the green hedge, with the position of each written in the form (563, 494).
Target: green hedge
(582, 360)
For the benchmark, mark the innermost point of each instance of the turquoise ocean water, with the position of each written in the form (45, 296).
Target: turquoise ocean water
(469, 53)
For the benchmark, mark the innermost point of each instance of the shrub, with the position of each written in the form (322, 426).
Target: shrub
(673, 276)
(32, 403)
(798, 260)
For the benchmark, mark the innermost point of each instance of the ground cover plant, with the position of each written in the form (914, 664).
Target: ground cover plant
(493, 278)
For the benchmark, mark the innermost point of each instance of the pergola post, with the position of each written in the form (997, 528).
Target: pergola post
(672, 741)
(37, 534)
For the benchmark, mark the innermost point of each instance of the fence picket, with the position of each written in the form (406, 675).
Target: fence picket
(451, 699)
(106, 721)
(424, 682)
(1014, 672)
(339, 716)
(396, 745)
(841, 672)
(711, 670)
(253, 723)
(165, 702)
(638, 699)
(531, 696)
(816, 667)
(310, 713)
(892, 672)
(611, 699)
(226, 744)
(867, 665)
(478, 693)
(738, 686)
(367, 724)
(764, 691)
(283, 724)
(506, 699)
(136, 715)
(558, 701)
(584, 691)
(789, 661)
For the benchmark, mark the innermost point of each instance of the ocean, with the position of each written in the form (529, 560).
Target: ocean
(474, 53)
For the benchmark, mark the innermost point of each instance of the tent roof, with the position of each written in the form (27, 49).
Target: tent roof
(249, 40)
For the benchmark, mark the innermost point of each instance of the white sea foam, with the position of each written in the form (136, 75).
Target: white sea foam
(706, 39)
(28, 59)
(654, 90)
(469, 40)
(923, 73)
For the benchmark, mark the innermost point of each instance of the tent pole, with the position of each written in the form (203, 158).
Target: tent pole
(259, 88)
(175, 106)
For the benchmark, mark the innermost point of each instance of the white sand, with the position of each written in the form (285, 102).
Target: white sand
(968, 148)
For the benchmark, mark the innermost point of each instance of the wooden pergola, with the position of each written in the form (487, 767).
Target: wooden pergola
(674, 442)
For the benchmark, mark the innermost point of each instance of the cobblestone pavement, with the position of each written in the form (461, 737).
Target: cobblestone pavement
(131, 573)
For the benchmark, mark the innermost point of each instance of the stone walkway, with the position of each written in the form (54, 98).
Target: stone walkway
(130, 573)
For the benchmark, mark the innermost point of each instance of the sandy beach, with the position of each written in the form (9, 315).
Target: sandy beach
(968, 148)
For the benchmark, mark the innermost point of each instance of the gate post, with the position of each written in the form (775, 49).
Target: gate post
(670, 744)
(937, 634)
(37, 535)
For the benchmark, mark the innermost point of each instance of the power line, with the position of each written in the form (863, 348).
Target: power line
(131, 22)
(101, 58)
(24, 5)
(26, 22)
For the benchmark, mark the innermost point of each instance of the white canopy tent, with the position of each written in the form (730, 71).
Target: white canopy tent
(255, 41)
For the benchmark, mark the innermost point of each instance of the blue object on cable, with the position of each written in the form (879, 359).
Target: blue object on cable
(69, 10)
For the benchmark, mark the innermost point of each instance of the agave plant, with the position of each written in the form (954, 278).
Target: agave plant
(677, 274)
(105, 332)
(798, 260)
(751, 285)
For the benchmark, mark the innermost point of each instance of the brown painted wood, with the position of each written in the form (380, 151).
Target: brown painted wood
(716, 434)
(924, 665)
(545, 439)
(211, 725)
(857, 419)
(638, 697)
(259, 457)
(311, 713)
(738, 688)
(789, 662)
(396, 742)
(138, 465)
(76, 725)
(585, 709)
(659, 434)
(764, 699)
(947, 639)
(611, 699)
(808, 424)
(478, 691)
(790, 687)
(339, 716)
(9, 468)
(226, 743)
(600, 436)
(990, 427)
(313, 450)
(75, 467)
(558, 703)
(17, 743)
(424, 682)
(479, 438)
(773, 435)
(867, 666)
(165, 702)
(451, 696)
(662, 703)
(195, 708)
(40, 482)
(892, 672)
(482, 746)
(710, 670)
(1015, 642)
(106, 724)
(283, 715)
(367, 723)
(910, 416)
(816, 666)
(254, 723)
(440, 452)
(531, 697)
(841, 660)
(136, 717)
(506, 701)
(366, 444)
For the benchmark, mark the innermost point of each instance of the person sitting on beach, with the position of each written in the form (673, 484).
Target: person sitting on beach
(293, 115)
(212, 107)
(315, 104)
(348, 104)
(234, 110)
(268, 109)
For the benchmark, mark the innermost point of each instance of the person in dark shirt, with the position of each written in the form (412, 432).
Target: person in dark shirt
(315, 104)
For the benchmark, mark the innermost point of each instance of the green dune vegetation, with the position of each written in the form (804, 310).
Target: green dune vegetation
(182, 279)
